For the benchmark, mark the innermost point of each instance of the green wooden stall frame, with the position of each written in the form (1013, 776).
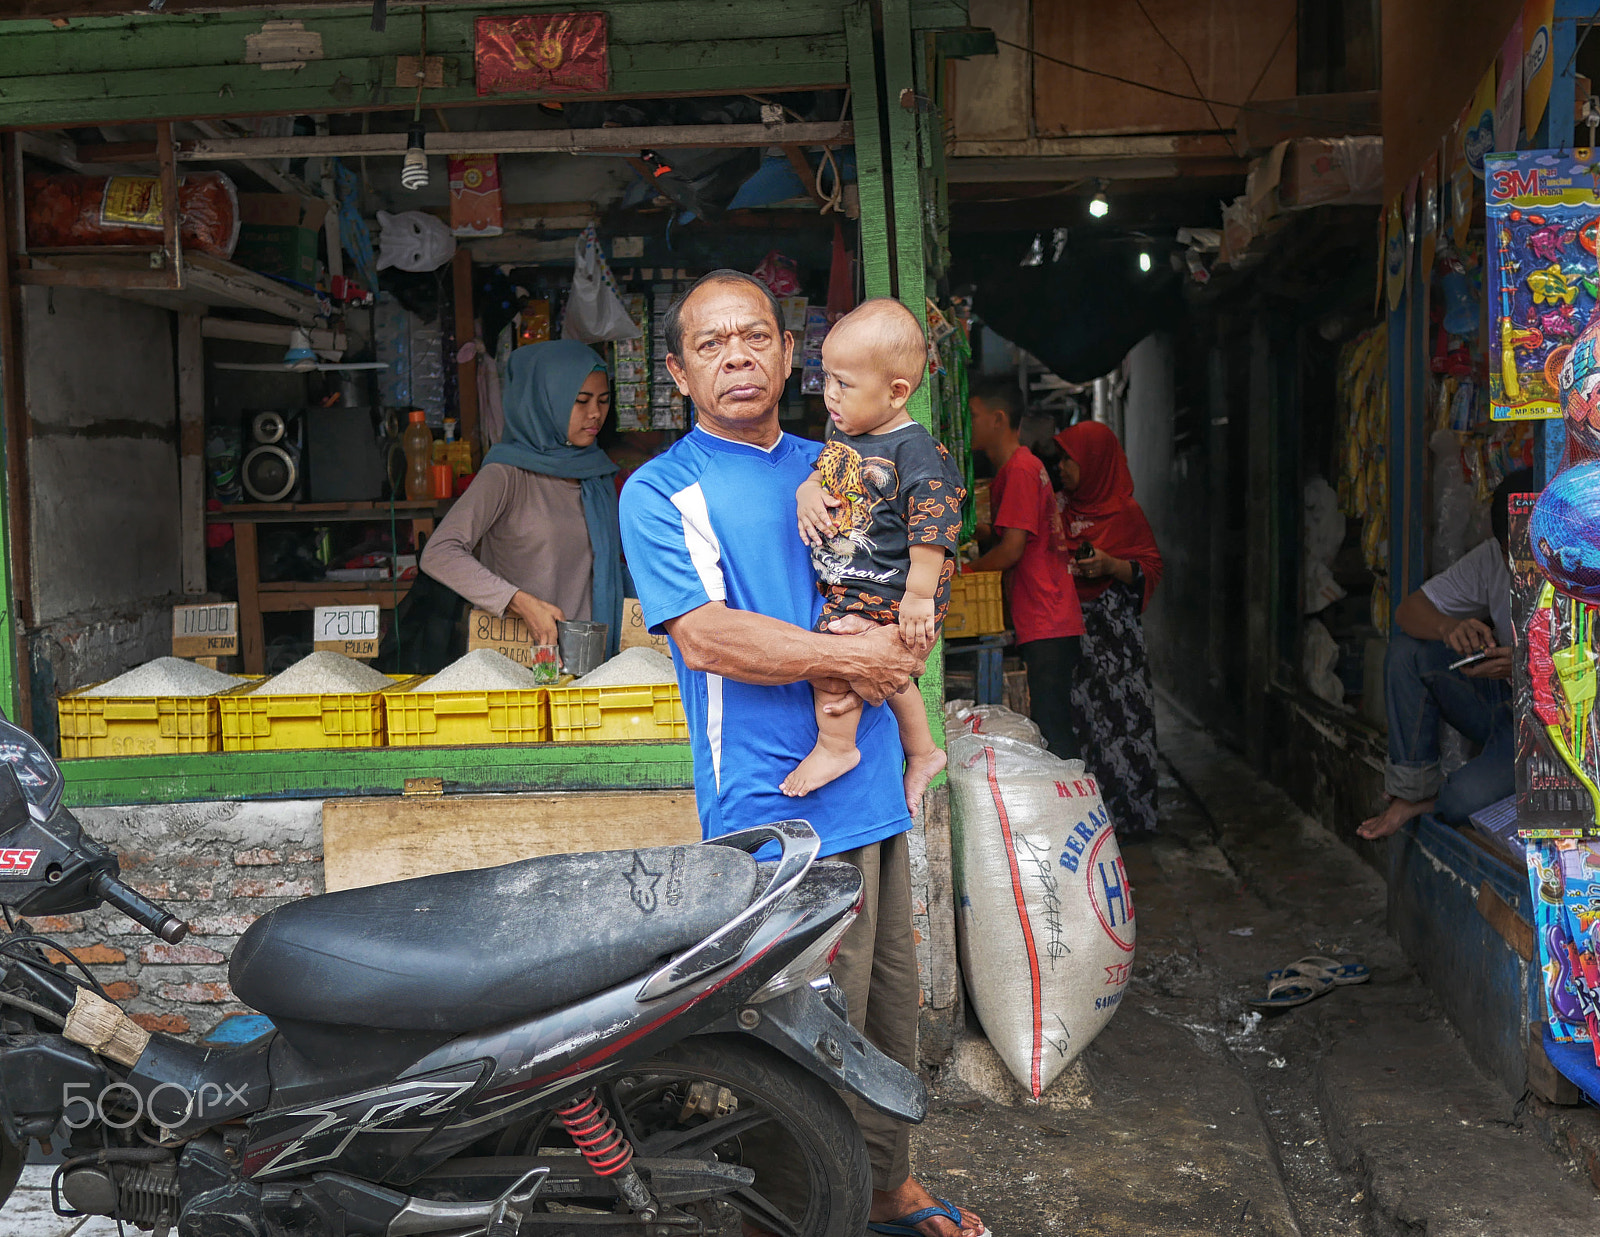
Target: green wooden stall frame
(146, 67)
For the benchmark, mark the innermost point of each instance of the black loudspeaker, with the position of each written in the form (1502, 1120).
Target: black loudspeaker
(344, 457)
(273, 470)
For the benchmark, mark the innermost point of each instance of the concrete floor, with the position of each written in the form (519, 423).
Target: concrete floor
(1359, 1113)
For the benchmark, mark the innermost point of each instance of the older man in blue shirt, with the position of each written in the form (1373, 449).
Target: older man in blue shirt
(709, 529)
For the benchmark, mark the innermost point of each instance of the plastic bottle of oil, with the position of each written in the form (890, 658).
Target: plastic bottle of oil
(417, 442)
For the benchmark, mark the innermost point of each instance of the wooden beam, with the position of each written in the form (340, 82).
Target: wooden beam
(191, 452)
(171, 216)
(873, 192)
(518, 141)
(270, 333)
(803, 169)
(16, 526)
(466, 332)
(373, 841)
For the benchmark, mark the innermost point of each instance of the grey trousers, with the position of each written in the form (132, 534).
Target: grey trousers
(877, 968)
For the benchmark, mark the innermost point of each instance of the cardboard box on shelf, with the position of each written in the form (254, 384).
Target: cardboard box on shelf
(278, 235)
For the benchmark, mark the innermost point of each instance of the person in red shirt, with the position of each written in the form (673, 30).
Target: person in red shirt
(1031, 547)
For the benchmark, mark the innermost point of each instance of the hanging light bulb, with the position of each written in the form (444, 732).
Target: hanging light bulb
(414, 171)
(1144, 261)
(1099, 206)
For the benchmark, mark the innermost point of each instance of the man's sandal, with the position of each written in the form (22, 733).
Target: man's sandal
(1290, 990)
(1342, 973)
(906, 1225)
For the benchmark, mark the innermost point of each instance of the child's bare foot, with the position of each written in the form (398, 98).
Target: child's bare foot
(818, 769)
(920, 770)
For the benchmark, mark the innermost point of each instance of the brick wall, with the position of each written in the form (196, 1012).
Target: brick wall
(220, 866)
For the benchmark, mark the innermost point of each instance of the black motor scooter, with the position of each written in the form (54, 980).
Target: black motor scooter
(630, 1042)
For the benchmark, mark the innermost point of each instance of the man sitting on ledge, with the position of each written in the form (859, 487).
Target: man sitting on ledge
(1439, 624)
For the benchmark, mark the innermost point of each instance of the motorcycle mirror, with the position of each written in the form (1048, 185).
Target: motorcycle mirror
(31, 770)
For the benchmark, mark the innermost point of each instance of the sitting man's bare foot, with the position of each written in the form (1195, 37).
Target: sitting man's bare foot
(818, 769)
(910, 1198)
(920, 770)
(1393, 817)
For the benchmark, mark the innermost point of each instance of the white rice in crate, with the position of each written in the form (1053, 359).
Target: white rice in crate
(166, 676)
(482, 670)
(635, 667)
(324, 674)
(1046, 927)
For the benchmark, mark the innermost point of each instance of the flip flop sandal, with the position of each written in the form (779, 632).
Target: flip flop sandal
(1342, 973)
(905, 1226)
(1289, 990)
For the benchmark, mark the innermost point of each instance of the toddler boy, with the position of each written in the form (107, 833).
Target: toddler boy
(882, 515)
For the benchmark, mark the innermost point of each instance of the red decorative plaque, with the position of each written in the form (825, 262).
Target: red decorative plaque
(550, 53)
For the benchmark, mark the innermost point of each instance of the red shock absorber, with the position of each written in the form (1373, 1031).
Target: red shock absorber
(596, 1135)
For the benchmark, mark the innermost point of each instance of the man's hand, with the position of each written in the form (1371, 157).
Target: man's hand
(1495, 666)
(918, 626)
(540, 616)
(814, 506)
(883, 664)
(1470, 635)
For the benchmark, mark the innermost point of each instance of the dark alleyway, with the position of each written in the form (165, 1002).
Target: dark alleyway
(1357, 1114)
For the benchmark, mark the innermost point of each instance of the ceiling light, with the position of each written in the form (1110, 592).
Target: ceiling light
(1098, 206)
(414, 171)
(1144, 260)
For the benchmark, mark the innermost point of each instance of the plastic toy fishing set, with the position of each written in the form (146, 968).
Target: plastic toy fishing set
(1543, 246)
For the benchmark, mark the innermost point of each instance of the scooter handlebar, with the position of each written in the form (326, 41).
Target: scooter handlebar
(140, 909)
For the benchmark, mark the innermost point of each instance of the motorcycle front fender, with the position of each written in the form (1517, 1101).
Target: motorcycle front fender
(806, 1028)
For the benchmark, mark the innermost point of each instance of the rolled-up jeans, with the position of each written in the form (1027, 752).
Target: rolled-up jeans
(1419, 689)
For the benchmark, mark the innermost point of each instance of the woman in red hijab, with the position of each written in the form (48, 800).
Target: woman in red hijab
(1117, 566)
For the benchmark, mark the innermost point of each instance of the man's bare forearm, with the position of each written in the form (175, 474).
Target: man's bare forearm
(754, 648)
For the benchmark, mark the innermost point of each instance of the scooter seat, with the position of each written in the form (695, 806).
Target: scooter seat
(465, 950)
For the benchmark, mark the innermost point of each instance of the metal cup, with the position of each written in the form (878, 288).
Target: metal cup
(582, 645)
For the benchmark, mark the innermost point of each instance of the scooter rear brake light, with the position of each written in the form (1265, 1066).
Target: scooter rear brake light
(812, 963)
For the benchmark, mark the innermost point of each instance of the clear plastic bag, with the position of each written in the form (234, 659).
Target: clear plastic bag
(595, 312)
(1046, 927)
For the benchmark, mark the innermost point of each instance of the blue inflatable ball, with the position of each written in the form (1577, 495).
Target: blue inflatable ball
(1565, 530)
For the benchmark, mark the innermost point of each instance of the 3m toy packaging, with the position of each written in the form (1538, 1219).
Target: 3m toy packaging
(1543, 237)
(1564, 873)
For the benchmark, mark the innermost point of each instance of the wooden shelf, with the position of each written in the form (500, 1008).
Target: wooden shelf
(207, 283)
(326, 513)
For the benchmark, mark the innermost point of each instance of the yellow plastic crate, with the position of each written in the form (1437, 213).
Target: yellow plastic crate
(616, 714)
(280, 723)
(459, 719)
(977, 607)
(138, 725)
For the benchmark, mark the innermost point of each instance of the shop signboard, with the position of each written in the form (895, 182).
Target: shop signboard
(210, 630)
(1541, 281)
(552, 53)
(350, 630)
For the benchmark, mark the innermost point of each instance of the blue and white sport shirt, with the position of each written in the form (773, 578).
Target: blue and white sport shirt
(714, 520)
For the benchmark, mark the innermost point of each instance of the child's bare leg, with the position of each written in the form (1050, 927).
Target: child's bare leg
(924, 757)
(835, 753)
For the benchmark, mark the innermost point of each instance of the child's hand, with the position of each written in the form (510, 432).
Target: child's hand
(814, 505)
(918, 624)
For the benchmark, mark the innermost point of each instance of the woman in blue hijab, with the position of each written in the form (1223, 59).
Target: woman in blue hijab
(536, 533)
